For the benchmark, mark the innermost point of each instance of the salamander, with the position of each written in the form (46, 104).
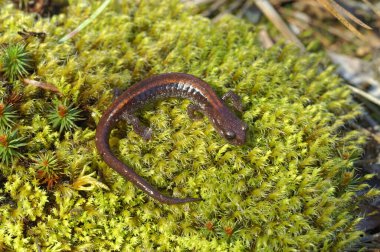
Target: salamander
(158, 87)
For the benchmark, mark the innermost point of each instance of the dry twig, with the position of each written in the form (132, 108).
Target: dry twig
(266, 7)
(43, 85)
(339, 12)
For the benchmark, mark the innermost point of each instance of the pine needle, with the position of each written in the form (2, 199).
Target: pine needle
(85, 23)
(339, 12)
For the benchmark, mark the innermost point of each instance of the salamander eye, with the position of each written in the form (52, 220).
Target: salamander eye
(230, 135)
(244, 127)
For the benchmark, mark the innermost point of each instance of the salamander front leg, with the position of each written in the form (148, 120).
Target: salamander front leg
(235, 99)
(194, 112)
(144, 131)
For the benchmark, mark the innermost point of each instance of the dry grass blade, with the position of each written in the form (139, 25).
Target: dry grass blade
(198, 2)
(265, 39)
(235, 5)
(350, 16)
(338, 11)
(43, 85)
(269, 11)
(87, 182)
(365, 95)
(216, 5)
(373, 7)
(86, 22)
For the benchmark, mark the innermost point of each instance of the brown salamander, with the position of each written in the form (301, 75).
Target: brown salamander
(160, 87)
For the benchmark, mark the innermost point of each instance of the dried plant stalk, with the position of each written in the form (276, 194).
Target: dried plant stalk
(270, 12)
(373, 7)
(339, 12)
(43, 85)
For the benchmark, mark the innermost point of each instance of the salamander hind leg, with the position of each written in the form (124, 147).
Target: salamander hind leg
(144, 131)
(194, 112)
(235, 99)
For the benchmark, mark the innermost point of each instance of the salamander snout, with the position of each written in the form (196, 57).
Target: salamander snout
(236, 134)
(231, 127)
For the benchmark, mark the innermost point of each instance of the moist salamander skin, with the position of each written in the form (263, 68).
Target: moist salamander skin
(158, 87)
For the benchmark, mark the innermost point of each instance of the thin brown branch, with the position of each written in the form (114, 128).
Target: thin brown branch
(365, 95)
(43, 85)
(269, 11)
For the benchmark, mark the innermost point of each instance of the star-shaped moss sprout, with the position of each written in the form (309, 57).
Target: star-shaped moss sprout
(63, 115)
(47, 168)
(7, 115)
(16, 61)
(10, 144)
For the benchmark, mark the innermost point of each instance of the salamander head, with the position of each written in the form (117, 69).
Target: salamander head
(230, 127)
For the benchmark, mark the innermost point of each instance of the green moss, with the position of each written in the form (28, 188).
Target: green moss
(7, 115)
(10, 144)
(63, 116)
(290, 187)
(16, 61)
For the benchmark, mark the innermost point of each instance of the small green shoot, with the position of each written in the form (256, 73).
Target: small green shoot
(16, 61)
(9, 146)
(63, 115)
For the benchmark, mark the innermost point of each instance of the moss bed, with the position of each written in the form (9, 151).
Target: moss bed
(291, 187)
